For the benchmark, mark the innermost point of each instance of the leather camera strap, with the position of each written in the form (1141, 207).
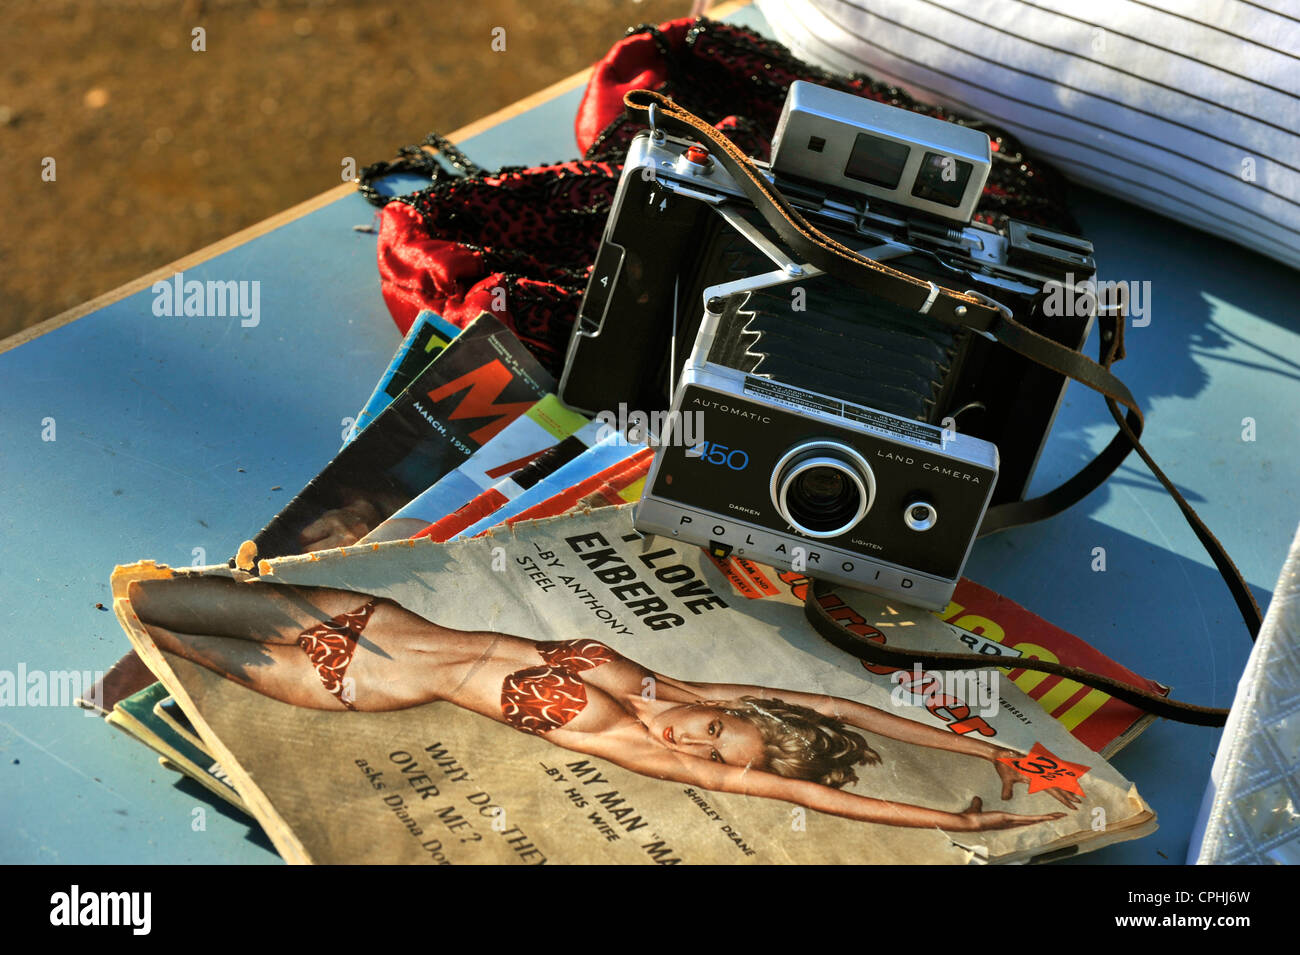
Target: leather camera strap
(958, 308)
(821, 601)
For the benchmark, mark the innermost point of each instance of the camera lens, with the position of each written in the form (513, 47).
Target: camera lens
(823, 495)
(822, 488)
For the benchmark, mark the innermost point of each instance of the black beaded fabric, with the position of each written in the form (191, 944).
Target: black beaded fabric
(539, 228)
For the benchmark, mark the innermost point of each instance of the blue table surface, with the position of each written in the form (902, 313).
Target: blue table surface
(156, 416)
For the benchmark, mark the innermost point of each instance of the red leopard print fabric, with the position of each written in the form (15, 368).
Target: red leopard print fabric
(532, 233)
(330, 647)
(539, 699)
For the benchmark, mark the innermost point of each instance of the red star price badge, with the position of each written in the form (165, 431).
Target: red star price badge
(1045, 771)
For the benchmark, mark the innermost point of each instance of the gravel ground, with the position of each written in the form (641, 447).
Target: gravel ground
(159, 149)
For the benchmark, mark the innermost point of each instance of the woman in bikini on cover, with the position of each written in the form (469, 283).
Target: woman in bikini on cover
(339, 650)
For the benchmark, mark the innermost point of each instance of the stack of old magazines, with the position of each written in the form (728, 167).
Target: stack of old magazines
(454, 646)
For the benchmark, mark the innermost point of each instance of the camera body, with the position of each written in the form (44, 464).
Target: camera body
(814, 425)
(789, 477)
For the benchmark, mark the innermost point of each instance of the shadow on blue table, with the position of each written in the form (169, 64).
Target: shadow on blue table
(254, 835)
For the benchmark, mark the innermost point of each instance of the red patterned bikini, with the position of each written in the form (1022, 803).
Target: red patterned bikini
(540, 699)
(534, 699)
(330, 646)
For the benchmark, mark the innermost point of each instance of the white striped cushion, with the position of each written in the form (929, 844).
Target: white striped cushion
(1187, 107)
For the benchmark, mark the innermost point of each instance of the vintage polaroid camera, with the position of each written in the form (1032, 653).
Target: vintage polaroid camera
(811, 424)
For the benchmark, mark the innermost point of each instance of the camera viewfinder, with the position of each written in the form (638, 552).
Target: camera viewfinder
(877, 161)
(942, 179)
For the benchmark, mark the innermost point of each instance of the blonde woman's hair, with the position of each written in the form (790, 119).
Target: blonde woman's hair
(801, 743)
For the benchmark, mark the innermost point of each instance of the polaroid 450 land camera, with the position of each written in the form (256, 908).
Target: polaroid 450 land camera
(857, 430)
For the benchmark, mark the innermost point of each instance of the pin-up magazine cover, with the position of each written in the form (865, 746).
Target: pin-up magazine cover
(568, 691)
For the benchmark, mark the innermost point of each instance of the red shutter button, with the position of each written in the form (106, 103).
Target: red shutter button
(698, 155)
